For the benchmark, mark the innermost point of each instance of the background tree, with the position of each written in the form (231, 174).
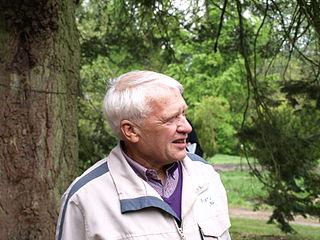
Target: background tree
(116, 37)
(252, 66)
(39, 68)
(282, 133)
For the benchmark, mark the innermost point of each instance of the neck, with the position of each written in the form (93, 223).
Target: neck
(162, 175)
(131, 152)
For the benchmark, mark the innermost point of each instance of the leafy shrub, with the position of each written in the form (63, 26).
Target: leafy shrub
(212, 120)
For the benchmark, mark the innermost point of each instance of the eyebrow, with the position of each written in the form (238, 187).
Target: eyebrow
(170, 116)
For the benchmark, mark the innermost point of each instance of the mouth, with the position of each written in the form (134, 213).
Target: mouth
(180, 142)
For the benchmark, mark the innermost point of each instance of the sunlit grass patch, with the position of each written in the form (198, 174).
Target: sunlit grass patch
(243, 189)
(250, 229)
(224, 158)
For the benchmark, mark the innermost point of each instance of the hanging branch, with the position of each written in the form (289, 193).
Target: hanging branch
(251, 81)
(244, 48)
(244, 51)
(256, 38)
(220, 25)
(311, 9)
(288, 30)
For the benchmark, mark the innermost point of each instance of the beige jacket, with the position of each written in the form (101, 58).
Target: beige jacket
(109, 201)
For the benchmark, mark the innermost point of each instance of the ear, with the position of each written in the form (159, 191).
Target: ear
(129, 131)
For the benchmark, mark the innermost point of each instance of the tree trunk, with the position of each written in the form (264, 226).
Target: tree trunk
(39, 72)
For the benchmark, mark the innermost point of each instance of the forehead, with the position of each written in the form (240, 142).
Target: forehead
(167, 101)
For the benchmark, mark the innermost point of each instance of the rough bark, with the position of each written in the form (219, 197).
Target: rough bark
(39, 68)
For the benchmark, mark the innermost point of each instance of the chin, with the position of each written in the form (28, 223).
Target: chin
(181, 156)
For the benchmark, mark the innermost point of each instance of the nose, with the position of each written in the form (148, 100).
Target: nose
(184, 126)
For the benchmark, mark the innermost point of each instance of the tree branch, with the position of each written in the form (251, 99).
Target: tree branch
(220, 25)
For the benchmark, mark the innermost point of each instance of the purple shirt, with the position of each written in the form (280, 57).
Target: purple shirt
(175, 199)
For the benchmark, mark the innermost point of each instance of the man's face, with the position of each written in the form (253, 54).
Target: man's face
(162, 136)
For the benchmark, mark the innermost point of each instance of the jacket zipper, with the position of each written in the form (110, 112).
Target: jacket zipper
(181, 233)
(180, 230)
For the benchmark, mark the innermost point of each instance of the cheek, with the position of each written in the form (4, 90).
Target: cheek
(160, 136)
(167, 134)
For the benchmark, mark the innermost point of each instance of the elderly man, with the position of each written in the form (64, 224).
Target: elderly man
(148, 187)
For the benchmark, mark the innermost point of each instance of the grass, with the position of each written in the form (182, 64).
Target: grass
(224, 158)
(250, 229)
(244, 190)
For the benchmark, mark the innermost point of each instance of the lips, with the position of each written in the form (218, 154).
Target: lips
(181, 141)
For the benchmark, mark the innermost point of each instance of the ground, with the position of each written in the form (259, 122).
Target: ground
(264, 215)
(259, 214)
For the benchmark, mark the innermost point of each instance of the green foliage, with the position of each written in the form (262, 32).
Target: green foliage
(205, 74)
(285, 145)
(116, 37)
(156, 33)
(244, 190)
(211, 117)
(278, 134)
(257, 74)
(95, 139)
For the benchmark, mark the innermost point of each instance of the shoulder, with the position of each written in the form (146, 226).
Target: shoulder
(89, 177)
(195, 157)
(195, 163)
(97, 175)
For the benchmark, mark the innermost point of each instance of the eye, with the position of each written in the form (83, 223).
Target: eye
(178, 116)
(172, 119)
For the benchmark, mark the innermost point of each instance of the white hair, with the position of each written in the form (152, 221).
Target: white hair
(129, 95)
